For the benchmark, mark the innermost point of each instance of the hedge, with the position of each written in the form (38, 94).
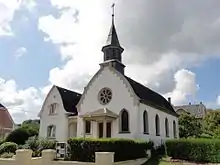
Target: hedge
(198, 150)
(8, 147)
(124, 149)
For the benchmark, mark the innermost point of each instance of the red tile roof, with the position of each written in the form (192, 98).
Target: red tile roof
(6, 120)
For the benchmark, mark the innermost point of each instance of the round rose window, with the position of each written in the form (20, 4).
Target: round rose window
(105, 96)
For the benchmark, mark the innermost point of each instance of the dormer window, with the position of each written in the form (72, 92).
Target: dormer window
(52, 110)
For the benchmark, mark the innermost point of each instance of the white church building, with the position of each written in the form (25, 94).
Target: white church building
(111, 105)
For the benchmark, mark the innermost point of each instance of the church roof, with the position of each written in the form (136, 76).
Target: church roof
(197, 110)
(113, 37)
(6, 120)
(70, 99)
(150, 97)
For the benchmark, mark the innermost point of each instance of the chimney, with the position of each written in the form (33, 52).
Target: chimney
(189, 103)
(200, 102)
(169, 100)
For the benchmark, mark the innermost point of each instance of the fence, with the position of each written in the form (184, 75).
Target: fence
(24, 157)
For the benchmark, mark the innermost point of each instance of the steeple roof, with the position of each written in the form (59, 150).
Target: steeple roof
(112, 36)
(112, 39)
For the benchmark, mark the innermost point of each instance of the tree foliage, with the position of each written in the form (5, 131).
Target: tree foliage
(27, 129)
(189, 126)
(211, 123)
(18, 136)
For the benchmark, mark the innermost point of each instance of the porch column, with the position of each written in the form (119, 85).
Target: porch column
(104, 128)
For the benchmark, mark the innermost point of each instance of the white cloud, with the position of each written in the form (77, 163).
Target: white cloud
(7, 10)
(218, 100)
(20, 52)
(185, 86)
(7, 13)
(61, 30)
(22, 104)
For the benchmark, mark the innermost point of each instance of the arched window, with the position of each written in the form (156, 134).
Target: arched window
(145, 122)
(53, 108)
(157, 125)
(167, 127)
(51, 131)
(174, 129)
(124, 121)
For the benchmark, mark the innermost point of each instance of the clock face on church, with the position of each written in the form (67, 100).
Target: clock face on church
(105, 96)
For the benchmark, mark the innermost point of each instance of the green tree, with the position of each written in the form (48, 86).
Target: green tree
(211, 123)
(189, 126)
(34, 124)
(27, 129)
(18, 136)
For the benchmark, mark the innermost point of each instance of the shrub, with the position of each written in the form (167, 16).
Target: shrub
(8, 147)
(198, 150)
(7, 155)
(2, 141)
(38, 144)
(84, 149)
(18, 136)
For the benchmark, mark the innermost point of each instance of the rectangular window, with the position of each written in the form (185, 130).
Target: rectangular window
(51, 131)
(87, 127)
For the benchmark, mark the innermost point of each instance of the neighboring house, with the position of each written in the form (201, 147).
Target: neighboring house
(111, 105)
(6, 122)
(197, 110)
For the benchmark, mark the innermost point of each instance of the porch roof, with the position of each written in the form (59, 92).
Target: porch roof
(104, 112)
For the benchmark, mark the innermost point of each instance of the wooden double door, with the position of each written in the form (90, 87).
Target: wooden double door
(104, 129)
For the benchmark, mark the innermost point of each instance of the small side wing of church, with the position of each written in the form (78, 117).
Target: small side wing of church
(58, 105)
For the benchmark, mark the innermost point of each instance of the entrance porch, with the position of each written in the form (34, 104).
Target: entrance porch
(101, 121)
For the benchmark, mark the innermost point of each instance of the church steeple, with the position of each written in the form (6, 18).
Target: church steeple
(112, 50)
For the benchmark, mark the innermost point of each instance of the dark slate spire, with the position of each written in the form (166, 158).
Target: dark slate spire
(112, 36)
(112, 50)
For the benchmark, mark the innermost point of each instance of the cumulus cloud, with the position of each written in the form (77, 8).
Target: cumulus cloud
(7, 10)
(185, 86)
(7, 13)
(22, 104)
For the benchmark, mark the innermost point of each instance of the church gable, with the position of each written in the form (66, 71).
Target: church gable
(107, 89)
(53, 104)
(59, 99)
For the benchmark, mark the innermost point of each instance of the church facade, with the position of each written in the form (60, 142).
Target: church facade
(112, 105)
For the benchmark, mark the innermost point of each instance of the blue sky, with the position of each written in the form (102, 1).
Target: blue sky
(57, 49)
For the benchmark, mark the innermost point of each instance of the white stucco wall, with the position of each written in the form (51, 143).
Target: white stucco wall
(152, 112)
(121, 99)
(59, 120)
